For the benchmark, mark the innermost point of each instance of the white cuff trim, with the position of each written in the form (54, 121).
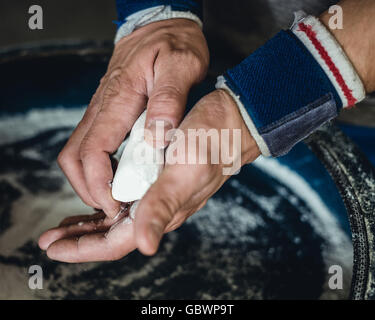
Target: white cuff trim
(154, 14)
(220, 84)
(331, 57)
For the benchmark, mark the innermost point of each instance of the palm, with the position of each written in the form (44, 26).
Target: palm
(89, 238)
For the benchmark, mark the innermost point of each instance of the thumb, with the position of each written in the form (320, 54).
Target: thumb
(158, 207)
(167, 103)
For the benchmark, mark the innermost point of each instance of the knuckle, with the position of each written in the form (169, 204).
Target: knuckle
(113, 85)
(190, 58)
(117, 79)
(166, 94)
(167, 40)
(63, 158)
(184, 55)
(123, 87)
(114, 73)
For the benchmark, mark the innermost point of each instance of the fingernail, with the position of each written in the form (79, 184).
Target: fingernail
(123, 208)
(117, 215)
(156, 131)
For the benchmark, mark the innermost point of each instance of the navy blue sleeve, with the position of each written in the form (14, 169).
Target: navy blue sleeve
(127, 7)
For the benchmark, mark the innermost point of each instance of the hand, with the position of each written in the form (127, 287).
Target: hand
(180, 191)
(155, 66)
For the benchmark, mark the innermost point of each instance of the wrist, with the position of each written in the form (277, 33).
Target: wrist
(158, 28)
(249, 147)
(154, 14)
(296, 82)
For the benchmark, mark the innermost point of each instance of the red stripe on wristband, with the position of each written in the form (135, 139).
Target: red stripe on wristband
(311, 34)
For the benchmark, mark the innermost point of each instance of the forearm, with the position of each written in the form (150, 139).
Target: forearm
(357, 37)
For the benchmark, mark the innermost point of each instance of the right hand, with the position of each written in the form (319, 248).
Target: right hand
(155, 66)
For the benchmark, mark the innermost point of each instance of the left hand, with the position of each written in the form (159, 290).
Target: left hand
(180, 191)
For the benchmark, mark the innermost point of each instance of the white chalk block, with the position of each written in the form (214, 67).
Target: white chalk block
(139, 166)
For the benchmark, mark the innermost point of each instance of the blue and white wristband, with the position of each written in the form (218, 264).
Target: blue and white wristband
(296, 82)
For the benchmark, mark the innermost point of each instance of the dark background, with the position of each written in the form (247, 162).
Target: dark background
(62, 20)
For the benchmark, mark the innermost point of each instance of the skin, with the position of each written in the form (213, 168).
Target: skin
(155, 66)
(163, 208)
(171, 199)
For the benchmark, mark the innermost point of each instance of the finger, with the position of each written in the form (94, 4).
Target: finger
(73, 170)
(120, 109)
(94, 247)
(167, 101)
(179, 187)
(79, 225)
(69, 159)
(81, 218)
(73, 230)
